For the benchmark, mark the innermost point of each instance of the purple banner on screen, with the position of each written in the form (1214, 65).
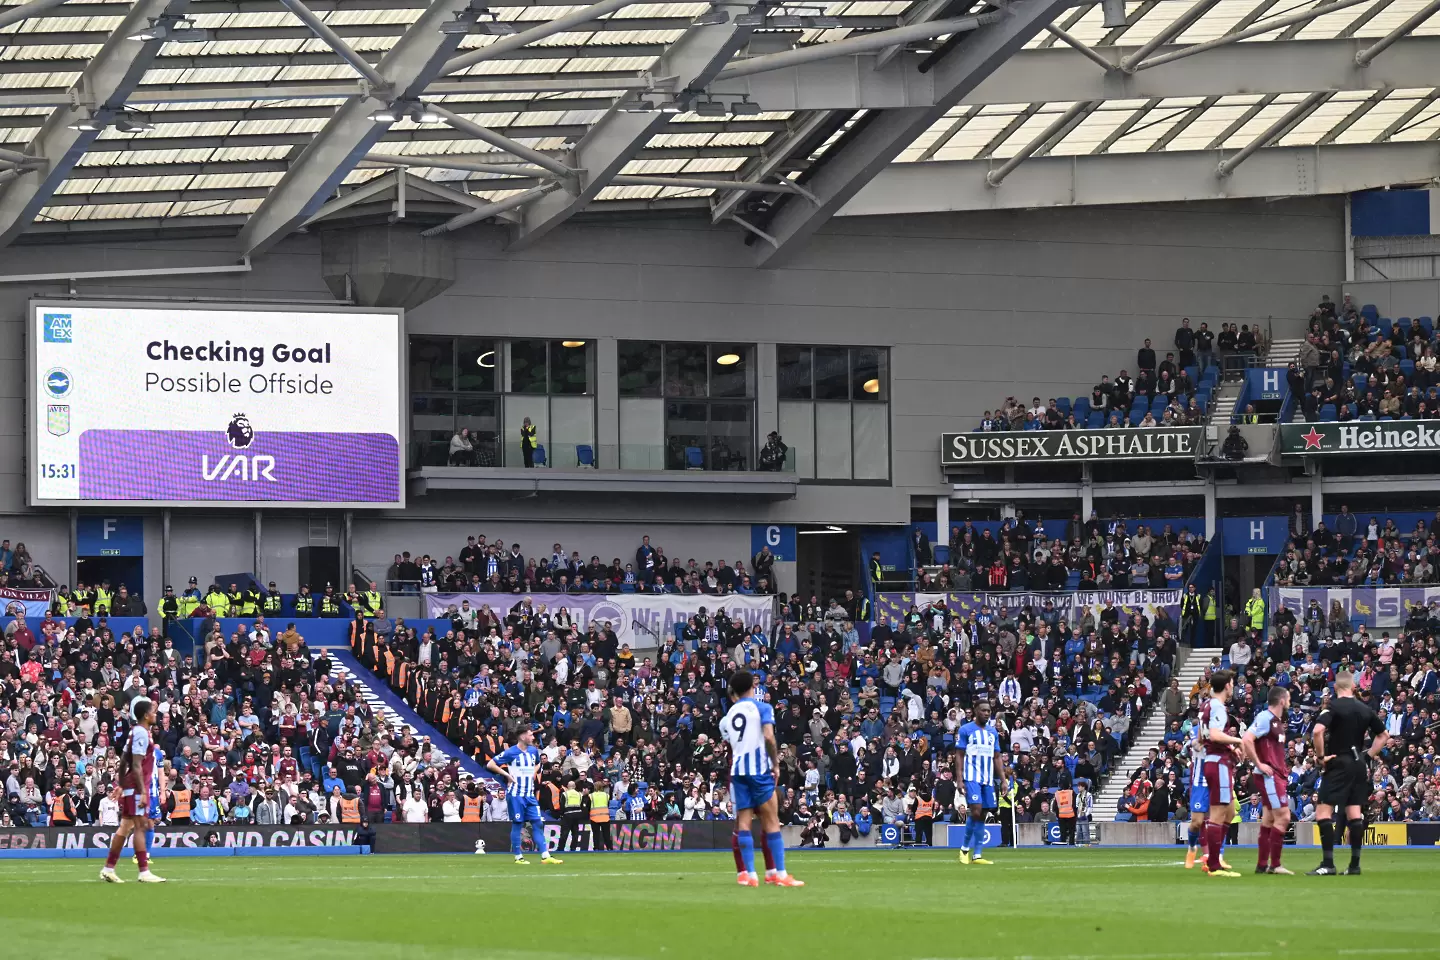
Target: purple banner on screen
(204, 465)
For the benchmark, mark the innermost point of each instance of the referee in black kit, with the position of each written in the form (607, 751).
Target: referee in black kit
(1340, 736)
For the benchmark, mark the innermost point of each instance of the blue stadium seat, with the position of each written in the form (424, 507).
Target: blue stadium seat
(1387, 329)
(1157, 406)
(1063, 405)
(1428, 326)
(539, 458)
(1403, 325)
(1194, 371)
(1369, 312)
(1359, 381)
(1327, 413)
(1135, 417)
(1096, 421)
(1407, 368)
(584, 455)
(1354, 409)
(694, 458)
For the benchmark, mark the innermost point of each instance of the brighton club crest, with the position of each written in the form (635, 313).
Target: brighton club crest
(57, 418)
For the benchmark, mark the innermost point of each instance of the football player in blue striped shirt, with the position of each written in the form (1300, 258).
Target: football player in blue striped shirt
(519, 767)
(978, 762)
(749, 728)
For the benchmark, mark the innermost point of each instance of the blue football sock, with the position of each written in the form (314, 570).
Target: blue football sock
(150, 842)
(537, 830)
(747, 850)
(1193, 838)
(516, 828)
(776, 842)
(977, 835)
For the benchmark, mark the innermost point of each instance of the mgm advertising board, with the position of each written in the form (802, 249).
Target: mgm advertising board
(191, 404)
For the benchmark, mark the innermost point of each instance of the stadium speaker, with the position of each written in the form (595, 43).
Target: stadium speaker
(319, 566)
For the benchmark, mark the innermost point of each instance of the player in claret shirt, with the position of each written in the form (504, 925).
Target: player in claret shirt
(137, 770)
(1221, 748)
(1265, 746)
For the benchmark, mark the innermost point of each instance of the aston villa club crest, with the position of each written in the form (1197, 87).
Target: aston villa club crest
(57, 418)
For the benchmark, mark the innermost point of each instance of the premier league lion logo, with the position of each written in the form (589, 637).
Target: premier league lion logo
(240, 433)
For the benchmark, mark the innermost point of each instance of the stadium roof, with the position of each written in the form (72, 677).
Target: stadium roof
(250, 115)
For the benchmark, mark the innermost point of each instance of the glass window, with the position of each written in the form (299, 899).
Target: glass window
(732, 371)
(476, 363)
(432, 363)
(432, 424)
(526, 368)
(639, 369)
(482, 416)
(868, 375)
(570, 366)
(686, 370)
(872, 441)
(730, 436)
(792, 373)
(686, 435)
(797, 431)
(833, 456)
(832, 373)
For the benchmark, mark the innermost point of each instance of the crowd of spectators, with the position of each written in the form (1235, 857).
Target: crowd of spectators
(261, 732)
(1172, 391)
(490, 566)
(1099, 555)
(1358, 553)
(1395, 671)
(1355, 366)
(861, 722)
(19, 569)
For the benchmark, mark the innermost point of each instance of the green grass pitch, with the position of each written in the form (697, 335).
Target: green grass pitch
(1062, 905)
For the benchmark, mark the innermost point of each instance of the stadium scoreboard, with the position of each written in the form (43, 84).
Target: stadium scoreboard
(194, 404)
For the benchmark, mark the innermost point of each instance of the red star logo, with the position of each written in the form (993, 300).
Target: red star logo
(1312, 439)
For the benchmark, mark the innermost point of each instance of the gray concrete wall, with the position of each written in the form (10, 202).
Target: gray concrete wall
(974, 307)
(1398, 298)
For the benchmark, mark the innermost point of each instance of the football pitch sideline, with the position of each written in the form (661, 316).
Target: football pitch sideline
(920, 905)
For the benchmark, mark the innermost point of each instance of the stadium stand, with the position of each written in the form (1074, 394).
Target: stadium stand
(1357, 365)
(857, 721)
(1098, 554)
(492, 567)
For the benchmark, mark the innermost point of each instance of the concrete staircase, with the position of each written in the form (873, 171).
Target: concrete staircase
(1282, 354)
(1192, 664)
(385, 703)
(1222, 404)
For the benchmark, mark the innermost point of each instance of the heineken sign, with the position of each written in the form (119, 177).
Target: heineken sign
(1391, 436)
(1061, 446)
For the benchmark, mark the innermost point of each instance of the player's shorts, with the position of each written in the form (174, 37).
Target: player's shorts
(1344, 783)
(127, 807)
(522, 809)
(751, 792)
(1219, 781)
(1200, 798)
(981, 794)
(1272, 792)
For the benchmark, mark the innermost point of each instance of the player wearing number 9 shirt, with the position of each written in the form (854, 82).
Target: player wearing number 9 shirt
(749, 729)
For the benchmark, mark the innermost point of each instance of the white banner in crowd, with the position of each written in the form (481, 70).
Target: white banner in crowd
(1071, 606)
(642, 620)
